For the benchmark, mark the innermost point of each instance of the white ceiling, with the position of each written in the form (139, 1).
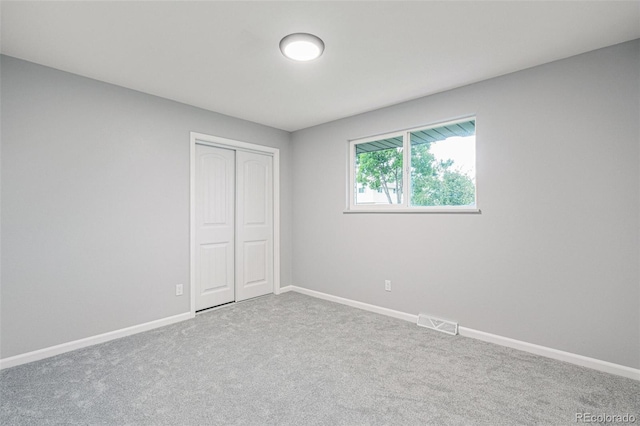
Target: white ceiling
(224, 56)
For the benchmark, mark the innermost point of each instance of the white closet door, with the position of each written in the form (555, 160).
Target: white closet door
(215, 227)
(254, 228)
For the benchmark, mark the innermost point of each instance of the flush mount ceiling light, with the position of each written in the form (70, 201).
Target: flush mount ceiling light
(301, 47)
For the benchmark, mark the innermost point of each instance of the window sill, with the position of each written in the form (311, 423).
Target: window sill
(415, 210)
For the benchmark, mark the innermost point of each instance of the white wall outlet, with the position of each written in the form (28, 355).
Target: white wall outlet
(179, 289)
(387, 285)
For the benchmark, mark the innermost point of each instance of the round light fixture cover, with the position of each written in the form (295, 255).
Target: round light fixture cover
(301, 47)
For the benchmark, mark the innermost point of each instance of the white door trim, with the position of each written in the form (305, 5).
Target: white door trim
(238, 146)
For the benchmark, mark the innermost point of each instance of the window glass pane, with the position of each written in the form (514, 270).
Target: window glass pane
(379, 171)
(443, 165)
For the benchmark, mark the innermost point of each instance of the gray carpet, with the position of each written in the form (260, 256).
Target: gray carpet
(296, 360)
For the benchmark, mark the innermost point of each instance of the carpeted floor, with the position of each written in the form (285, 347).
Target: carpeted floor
(296, 360)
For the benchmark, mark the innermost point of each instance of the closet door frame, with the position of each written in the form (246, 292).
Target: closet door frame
(215, 141)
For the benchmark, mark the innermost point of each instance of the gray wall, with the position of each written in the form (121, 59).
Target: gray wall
(95, 204)
(95, 208)
(553, 258)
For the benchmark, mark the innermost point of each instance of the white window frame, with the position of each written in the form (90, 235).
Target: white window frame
(405, 207)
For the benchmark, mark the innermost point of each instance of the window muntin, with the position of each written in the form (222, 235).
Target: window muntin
(379, 169)
(424, 169)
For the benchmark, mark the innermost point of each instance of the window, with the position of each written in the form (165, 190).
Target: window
(431, 168)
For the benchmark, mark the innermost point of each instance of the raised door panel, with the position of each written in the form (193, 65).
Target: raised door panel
(255, 264)
(255, 193)
(216, 200)
(214, 268)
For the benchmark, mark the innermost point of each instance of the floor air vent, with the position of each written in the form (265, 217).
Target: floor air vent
(437, 324)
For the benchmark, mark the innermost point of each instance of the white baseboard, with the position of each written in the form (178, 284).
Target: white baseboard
(355, 304)
(584, 361)
(89, 341)
(595, 364)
